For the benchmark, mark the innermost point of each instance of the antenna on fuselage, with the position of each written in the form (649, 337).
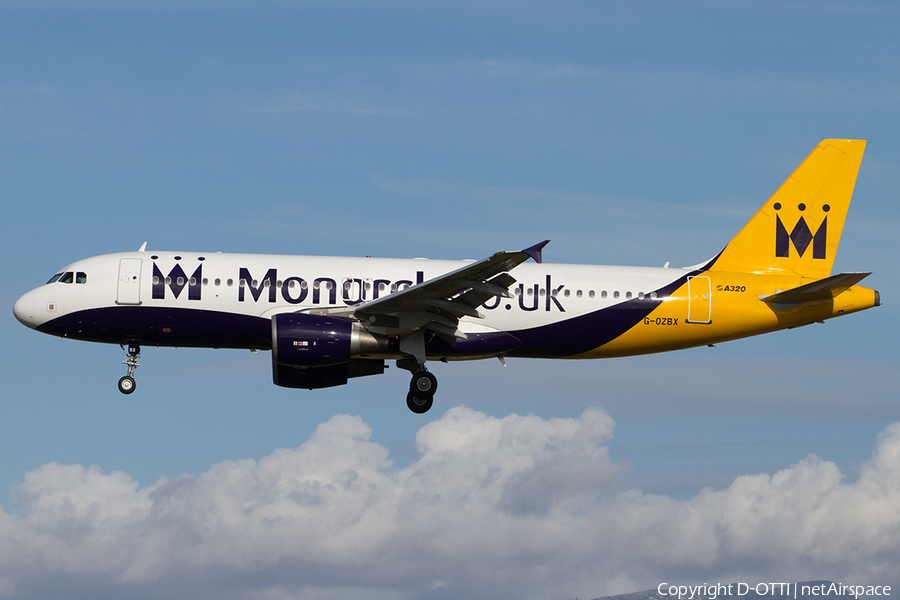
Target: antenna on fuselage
(143, 247)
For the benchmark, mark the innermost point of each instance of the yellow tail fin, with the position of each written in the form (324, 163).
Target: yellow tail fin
(798, 229)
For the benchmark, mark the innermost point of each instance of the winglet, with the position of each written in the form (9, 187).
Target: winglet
(535, 251)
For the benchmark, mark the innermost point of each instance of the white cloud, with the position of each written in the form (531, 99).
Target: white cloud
(518, 507)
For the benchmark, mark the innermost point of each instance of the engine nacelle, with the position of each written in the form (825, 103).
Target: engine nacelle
(312, 378)
(305, 340)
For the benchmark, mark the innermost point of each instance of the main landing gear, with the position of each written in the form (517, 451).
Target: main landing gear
(127, 383)
(421, 392)
(422, 386)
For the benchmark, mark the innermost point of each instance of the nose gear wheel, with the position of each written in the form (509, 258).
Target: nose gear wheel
(127, 383)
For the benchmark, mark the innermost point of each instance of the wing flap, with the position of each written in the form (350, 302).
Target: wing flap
(477, 297)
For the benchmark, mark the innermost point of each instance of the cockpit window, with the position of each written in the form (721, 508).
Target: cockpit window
(67, 277)
(80, 277)
(55, 278)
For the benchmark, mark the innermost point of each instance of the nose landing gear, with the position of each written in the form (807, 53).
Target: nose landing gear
(127, 383)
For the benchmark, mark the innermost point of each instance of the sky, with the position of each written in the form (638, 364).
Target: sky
(626, 132)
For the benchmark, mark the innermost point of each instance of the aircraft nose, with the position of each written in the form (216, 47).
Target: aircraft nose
(24, 310)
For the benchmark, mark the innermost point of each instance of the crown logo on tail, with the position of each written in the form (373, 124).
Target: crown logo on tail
(801, 236)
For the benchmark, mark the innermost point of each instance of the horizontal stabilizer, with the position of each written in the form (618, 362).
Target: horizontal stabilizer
(824, 289)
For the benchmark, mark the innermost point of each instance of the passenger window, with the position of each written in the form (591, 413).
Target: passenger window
(67, 277)
(81, 277)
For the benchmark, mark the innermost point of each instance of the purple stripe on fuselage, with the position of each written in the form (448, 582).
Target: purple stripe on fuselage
(157, 326)
(590, 331)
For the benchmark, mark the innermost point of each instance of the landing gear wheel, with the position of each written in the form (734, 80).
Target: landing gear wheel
(127, 385)
(419, 405)
(423, 385)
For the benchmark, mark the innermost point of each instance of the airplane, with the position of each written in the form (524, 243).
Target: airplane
(330, 319)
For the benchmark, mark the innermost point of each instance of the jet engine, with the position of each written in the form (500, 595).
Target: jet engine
(316, 351)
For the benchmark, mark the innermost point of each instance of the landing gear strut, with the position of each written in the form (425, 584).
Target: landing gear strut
(127, 383)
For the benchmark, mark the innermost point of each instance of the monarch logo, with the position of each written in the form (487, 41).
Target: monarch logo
(176, 280)
(801, 236)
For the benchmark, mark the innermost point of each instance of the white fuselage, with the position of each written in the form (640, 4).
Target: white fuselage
(225, 300)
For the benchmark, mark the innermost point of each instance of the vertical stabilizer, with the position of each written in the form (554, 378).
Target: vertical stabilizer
(798, 229)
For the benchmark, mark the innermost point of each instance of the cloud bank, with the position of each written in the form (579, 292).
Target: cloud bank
(513, 507)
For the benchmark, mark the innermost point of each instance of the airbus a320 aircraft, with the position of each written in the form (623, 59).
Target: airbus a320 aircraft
(328, 319)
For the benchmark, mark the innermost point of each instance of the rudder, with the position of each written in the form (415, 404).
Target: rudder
(798, 229)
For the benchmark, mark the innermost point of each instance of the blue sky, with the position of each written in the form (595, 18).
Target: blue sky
(627, 133)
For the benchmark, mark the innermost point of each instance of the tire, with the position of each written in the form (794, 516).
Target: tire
(127, 385)
(419, 406)
(423, 385)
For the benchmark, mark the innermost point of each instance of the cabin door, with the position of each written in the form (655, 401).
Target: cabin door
(699, 300)
(129, 281)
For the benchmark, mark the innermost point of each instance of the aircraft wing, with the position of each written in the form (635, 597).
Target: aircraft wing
(824, 289)
(439, 303)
